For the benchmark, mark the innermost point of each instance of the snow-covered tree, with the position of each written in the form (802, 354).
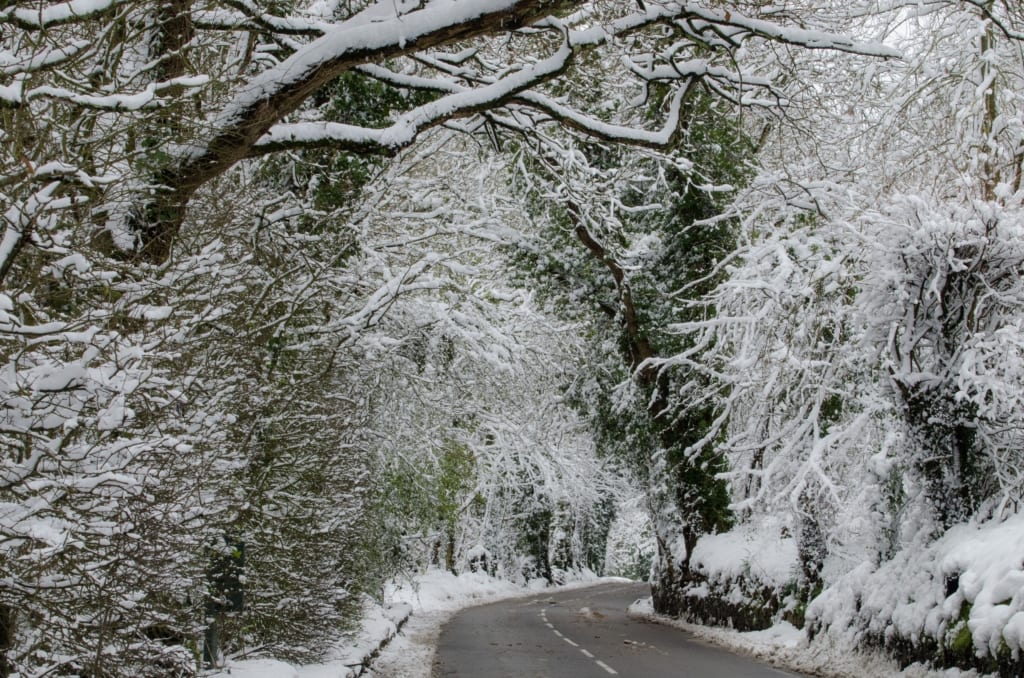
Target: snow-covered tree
(195, 274)
(864, 338)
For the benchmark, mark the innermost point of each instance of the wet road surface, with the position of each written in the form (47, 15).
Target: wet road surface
(581, 633)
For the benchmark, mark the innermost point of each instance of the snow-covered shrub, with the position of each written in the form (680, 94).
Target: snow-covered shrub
(910, 401)
(782, 351)
(943, 305)
(958, 599)
(107, 432)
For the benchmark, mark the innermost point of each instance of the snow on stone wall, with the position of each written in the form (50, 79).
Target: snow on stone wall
(759, 553)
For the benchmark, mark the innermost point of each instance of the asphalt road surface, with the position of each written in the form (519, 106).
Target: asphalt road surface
(582, 633)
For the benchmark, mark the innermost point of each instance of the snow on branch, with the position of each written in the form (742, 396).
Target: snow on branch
(411, 124)
(695, 68)
(361, 40)
(249, 13)
(278, 91)
(462, 101)
(14, 95)
(55, 15)
(416, 82)
(18, 221)
(734, 27)
(11, 65)
(605, 131)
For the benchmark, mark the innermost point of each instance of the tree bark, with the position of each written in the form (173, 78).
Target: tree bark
(639, 348)
(6, 639)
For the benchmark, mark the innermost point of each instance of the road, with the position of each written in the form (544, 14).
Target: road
(581, 633)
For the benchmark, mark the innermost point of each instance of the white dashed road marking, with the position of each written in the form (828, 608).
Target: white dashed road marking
(586, 653)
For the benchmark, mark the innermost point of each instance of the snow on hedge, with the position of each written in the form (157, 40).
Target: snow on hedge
(906, 596)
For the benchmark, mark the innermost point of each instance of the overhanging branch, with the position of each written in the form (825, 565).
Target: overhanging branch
(277, 92)
(409, 126)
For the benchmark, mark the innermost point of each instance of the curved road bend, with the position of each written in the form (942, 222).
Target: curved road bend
(582, 633)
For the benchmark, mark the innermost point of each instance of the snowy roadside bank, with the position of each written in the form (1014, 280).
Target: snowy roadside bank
(398, 640)
(787, 647)
(349, 658)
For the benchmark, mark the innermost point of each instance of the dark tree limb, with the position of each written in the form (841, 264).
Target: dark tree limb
(639, 347)
(271, 96)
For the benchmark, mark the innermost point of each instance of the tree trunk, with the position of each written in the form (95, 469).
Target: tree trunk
(449, 552)
(7, 618)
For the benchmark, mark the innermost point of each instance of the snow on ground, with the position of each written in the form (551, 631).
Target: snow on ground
(343, 660)
(786, 646)
(435, 597)
(427, 602)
